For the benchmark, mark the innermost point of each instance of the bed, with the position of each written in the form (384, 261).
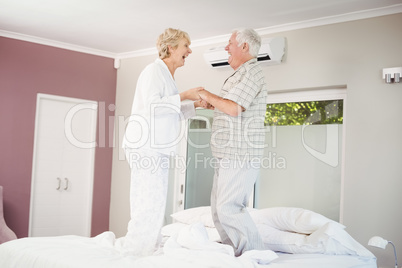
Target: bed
(294, 237)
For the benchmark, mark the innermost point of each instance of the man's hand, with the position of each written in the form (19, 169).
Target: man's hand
(202, 103)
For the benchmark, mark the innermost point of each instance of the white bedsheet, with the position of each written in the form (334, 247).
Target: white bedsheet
(189, 248)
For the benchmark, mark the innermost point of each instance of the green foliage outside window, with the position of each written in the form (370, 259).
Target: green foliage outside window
(304, 113)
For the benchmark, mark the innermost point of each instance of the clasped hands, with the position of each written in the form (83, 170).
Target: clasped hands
(201, 101)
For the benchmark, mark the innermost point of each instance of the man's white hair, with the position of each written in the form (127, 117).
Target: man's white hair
(249, 36)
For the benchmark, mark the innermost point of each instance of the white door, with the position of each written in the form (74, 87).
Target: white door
(63, 166)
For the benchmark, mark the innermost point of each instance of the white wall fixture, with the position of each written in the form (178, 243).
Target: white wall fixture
(380, 242)
(116, 63)
(392, 75)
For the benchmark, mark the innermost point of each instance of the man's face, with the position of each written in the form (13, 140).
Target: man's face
(235, 52)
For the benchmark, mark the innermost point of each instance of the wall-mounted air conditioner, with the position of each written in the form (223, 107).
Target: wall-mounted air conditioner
(271, 52)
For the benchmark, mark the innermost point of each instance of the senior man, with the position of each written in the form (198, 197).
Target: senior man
(237, 142)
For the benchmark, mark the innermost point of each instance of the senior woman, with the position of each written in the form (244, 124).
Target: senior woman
(154, 129)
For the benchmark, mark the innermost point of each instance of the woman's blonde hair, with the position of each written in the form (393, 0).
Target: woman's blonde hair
(170, 37)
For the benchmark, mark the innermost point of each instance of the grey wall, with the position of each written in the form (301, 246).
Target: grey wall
(352, 54)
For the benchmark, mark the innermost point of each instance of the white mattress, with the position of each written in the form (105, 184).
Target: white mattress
(321, 260)
(99, 252)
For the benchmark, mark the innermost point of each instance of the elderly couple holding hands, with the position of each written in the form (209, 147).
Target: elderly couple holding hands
(241, 104)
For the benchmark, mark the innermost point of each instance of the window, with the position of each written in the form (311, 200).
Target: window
(304, 113)
(302, 162)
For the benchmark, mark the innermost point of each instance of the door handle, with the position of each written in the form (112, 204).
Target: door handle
(58, 188)
(65, 188)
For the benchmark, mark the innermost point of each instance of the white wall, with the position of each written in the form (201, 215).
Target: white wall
(351, 54)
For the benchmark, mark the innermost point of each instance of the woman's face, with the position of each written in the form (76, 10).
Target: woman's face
(179, 54)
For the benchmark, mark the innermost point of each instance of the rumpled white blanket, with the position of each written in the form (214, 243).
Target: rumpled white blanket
(193, 239)
(191, 246)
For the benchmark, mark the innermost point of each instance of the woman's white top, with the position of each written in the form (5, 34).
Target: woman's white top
(157, 120)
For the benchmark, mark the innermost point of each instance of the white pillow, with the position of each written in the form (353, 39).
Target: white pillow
(194, 215)
(197, 214)
(281, 241)
(330, 239)
(173, 228)
(282, 229)
(290, 219)
(336, 241)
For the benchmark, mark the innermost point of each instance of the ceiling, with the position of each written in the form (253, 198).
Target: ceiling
(115, 27)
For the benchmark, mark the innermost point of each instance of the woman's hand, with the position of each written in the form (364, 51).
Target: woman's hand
(191, 94)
